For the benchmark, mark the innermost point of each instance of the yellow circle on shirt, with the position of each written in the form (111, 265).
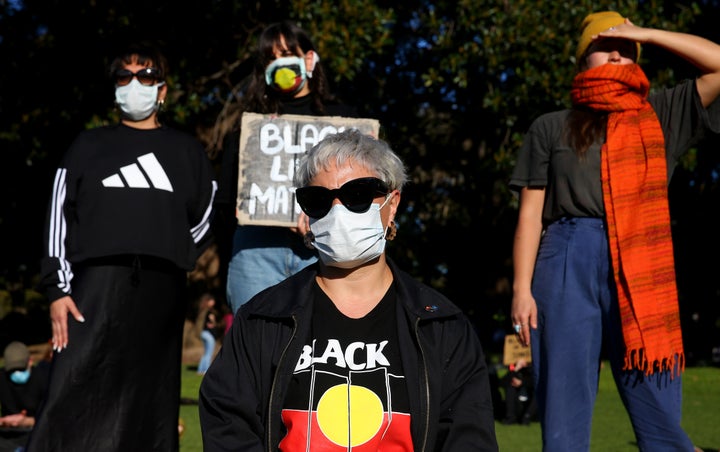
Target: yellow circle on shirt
(349, 413)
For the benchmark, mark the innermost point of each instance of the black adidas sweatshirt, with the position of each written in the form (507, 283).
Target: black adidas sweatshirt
(125, 191)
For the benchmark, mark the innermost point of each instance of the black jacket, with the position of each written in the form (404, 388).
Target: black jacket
(241, 396)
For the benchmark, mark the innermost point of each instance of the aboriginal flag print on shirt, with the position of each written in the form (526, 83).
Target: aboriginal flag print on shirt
(348, 391)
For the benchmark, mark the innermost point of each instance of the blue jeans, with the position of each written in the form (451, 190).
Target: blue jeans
(578, 312)
(262, 257)
(209, 345)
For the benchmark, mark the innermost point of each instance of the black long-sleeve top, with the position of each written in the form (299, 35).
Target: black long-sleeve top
(126, 191)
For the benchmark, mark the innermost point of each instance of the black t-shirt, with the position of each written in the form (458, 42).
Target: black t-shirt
(348, 387)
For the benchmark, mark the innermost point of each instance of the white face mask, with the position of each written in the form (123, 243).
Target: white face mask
(347, 239)
(137, 101)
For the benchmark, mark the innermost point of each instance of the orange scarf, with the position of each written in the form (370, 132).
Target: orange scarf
(634, 181)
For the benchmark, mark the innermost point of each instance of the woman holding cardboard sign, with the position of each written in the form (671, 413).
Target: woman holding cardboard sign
(288, 78)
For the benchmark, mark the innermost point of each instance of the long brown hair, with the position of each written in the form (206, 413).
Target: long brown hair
(584, 126)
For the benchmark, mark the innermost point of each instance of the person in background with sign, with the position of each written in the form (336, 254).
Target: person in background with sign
(593, 255)
(351, 352)
(288, 78)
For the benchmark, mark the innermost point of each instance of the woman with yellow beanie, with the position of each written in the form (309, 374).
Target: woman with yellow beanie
(593, 256)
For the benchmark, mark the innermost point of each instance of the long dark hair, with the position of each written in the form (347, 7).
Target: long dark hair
(259, 97)
(584, 126)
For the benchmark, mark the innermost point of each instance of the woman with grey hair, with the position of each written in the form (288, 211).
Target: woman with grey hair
(350, 352)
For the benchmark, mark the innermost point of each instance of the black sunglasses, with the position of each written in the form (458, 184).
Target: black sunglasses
(146, 76)
(357, 195)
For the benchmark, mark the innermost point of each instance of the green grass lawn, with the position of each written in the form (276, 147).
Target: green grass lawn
(191, 439)
(611, 430)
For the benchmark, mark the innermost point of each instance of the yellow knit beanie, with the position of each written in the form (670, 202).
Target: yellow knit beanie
(595, 23)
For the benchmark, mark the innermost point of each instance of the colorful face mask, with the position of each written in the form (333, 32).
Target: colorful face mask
(137, 101)
(286, 75)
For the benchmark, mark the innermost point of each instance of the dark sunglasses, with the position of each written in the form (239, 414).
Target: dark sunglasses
(357, 195)
(146, 76)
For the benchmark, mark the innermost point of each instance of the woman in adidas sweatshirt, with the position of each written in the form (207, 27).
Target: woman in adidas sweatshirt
(128, 217)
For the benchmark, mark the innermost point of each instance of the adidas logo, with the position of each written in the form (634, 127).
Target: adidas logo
(148, 173)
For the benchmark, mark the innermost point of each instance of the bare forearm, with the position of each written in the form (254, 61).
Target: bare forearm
(698, 51)
(527, 238)
(527, 241)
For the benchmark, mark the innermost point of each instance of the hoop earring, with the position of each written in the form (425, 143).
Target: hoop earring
(391, 231)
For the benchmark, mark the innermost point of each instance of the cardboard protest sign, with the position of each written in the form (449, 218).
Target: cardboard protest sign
(514, 350)
(269, 150)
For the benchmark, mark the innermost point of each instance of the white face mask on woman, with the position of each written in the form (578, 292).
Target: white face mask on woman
(347, 239)
(137, 101)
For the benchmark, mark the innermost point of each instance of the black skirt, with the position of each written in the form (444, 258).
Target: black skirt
(116, 387)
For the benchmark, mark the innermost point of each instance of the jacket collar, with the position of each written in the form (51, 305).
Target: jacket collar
(418, 300)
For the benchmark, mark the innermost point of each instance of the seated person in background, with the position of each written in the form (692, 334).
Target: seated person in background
(520, 406)
(22, 387)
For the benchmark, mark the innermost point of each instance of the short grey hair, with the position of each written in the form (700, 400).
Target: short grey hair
(352, 145)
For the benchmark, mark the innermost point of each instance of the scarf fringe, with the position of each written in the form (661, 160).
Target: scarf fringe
(637, 360)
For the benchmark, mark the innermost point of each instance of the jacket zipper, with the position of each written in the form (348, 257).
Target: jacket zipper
(427, 387)
(274, 384)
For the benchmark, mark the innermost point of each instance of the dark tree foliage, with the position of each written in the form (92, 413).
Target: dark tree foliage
(455, 84)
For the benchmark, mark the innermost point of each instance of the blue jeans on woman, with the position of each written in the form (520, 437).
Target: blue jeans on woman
(263, 256)
(578, 313)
